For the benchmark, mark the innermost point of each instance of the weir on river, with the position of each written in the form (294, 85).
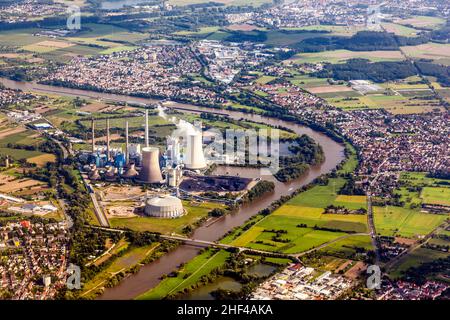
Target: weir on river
(150, 274)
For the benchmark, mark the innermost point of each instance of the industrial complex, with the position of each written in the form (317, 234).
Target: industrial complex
(168, 174)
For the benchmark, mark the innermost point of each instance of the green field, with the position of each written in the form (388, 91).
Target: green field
(306, 224)
(129, 259)
(415, 259)
(166, 226)
(339, 56)
(254, 3)
(425, 22)
(188, 275)
(409, 102)
(398, 221)
(400, 30)
(348, 246)
(433, 195)
(420, 179)
(21, 138)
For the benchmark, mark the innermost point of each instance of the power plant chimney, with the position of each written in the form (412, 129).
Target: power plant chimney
(107, 140)
(150, 170)
(127, 145)
(93, 135)
(195, 159)
(146, 128)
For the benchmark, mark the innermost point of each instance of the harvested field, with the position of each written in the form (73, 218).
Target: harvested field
(343, 266)
(42, 160)
(356, 270)
(93, 107)
(7, 132)
(434, 51)
(406, 241)
(9, 184)
(242, 27)
(54, 44)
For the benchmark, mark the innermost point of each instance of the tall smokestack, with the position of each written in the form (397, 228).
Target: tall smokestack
(127, 146)
(107, 140)
(93, 135)
(146, 128)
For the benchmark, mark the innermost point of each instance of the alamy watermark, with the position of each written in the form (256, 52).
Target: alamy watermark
(74, 277)
(374, 280)
(258, 148)
(374, 17)
(74, 18)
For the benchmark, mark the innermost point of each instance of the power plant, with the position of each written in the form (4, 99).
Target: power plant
(176, 171)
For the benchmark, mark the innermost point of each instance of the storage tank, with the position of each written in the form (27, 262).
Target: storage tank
(165, 206)
(195, 159)
(150, 170)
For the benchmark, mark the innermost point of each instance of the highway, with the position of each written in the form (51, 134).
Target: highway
(98, 211)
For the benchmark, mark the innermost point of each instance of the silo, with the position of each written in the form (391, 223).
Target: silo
(195, 159)
(150, 170)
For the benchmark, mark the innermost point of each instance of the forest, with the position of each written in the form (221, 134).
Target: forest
(365, 70)
(361, 41)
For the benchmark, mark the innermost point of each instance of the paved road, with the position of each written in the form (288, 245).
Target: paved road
(98, 211)
(373, 232)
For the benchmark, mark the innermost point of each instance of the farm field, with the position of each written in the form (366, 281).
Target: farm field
(254, 3)
(433, 195)
(339, 56)
(421, 179)
(306, 82)
(346, 31)
(348, 246)
(415, 259)
(425, 22)
(188, 275)
(166, 226)
(26, 138)
(92, 40)
(409, 102)
(398, 221)
(11, 184)
(121, 264)
(301, 223)
(439, 53)
(400, 30)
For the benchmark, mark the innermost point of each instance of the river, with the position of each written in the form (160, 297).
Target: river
(149, 275)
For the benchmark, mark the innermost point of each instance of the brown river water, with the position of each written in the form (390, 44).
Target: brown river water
(149, 275)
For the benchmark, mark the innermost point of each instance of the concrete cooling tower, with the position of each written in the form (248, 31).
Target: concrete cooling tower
(150, 170)
(164, 207)
(195, 159)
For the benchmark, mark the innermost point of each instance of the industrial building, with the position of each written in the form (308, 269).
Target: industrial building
(164, 206)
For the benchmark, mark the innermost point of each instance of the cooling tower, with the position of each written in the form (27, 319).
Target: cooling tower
(150, 170)
(195, 160)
